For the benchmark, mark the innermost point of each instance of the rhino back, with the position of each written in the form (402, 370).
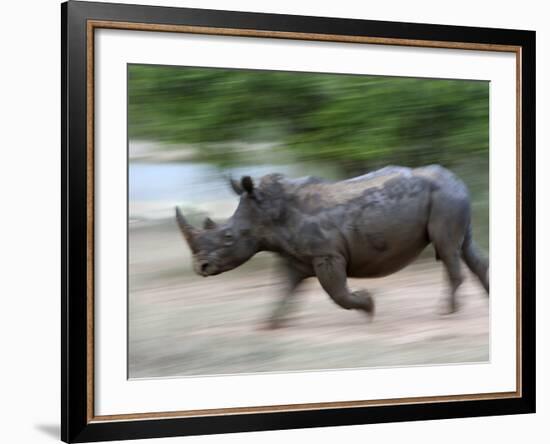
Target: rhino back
(377, 221)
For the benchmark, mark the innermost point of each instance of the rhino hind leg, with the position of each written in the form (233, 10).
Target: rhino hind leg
(452, 266)
(449, 219)
(331, 272)
(450, 256)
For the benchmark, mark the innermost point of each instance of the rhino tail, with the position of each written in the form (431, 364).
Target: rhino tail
(476, 261)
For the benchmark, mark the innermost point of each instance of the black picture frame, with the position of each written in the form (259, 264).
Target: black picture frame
(77, 425)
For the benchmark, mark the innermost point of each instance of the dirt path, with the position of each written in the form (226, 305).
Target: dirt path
(182, 324)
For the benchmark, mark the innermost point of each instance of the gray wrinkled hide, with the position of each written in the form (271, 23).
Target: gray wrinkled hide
(369, 226)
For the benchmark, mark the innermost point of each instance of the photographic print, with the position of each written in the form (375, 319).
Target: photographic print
(286, 221)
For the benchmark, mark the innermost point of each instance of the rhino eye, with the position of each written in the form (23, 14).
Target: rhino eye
(228, 238)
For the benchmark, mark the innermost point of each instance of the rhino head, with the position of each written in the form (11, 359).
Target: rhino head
(219, 248)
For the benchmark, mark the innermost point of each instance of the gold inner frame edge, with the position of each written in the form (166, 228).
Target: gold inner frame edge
(98, 24)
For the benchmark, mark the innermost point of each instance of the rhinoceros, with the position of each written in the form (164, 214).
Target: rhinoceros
(365, 227)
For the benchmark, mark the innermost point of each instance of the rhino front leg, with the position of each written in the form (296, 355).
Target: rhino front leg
(331, 272)
(294, 276)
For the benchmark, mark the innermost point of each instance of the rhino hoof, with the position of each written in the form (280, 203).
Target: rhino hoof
(368, 304)
(370, 307)
(270, 324)
(448, 308)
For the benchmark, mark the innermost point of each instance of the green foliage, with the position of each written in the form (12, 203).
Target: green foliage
(348, 122)
(356, 121)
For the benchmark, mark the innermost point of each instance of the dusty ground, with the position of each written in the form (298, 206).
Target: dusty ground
(182, 324)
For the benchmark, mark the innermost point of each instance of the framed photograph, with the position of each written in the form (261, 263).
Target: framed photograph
(275, 221)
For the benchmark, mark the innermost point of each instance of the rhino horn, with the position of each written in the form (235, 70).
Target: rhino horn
(188, 231)
(209, 224)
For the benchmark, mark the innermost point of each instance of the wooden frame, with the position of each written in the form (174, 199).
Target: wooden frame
(79, 21)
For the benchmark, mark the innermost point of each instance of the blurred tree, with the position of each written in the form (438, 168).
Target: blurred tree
(358, 121)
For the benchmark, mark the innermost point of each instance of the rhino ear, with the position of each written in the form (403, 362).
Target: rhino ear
(236, 186)
(209, 224)
(247, 184)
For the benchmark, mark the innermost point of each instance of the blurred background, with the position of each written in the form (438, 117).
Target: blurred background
(190, 128)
